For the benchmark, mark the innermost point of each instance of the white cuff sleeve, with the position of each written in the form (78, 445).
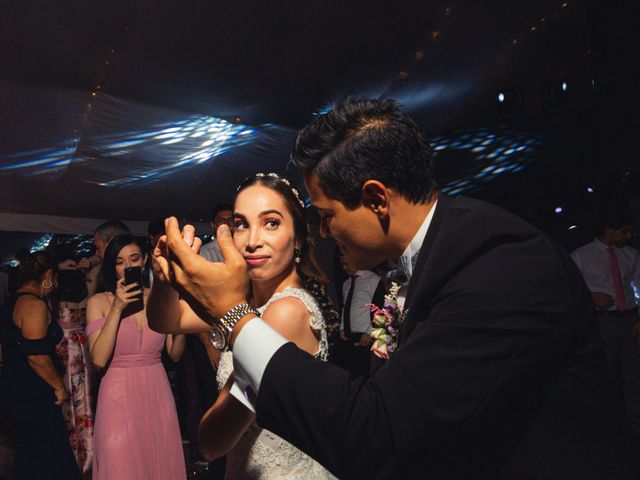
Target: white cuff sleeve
(256, 343)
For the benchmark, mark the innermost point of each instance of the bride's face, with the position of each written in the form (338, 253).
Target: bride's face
(264, 232)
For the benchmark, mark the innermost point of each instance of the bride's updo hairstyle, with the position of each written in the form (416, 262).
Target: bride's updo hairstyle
(307, 266)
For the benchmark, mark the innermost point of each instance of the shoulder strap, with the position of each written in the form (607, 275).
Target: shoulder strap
(46, 304)
(19, 294)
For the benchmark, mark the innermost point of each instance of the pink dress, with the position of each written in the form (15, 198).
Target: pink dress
(136, 432)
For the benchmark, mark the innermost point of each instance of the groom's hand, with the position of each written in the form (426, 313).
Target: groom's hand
(215, 286)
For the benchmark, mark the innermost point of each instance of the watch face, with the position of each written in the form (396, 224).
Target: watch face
(216, 335)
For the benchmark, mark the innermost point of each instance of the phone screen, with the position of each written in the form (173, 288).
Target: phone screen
(134, 275)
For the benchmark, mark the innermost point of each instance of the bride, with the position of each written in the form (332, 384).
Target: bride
(271, 231)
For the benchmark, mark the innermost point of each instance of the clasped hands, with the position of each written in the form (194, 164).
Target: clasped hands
(211, 287)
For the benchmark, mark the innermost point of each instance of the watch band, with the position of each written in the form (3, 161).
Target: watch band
(219, 333)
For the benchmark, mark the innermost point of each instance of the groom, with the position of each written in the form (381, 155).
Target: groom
(499, 373)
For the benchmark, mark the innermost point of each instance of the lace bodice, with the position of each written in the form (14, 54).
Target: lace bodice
(261, 454)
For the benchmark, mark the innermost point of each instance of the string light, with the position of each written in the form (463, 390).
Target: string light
(534, 28)
(420, 53)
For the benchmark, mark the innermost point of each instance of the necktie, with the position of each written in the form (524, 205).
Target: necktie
(347, 307)
(402, 274)
(617, 280)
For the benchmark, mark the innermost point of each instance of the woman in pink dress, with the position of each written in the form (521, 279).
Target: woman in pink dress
(136, 432)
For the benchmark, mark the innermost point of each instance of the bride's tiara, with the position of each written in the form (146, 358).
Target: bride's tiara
(283, 180)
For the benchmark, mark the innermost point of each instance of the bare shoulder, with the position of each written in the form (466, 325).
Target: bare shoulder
(31, 316)
(30, 308)
(30, 304)
(287, 314)
(98, 306)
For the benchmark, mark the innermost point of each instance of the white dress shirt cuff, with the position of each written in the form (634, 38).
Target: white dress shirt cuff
(256, 343)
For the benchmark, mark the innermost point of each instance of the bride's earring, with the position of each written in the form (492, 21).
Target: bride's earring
(296, 256)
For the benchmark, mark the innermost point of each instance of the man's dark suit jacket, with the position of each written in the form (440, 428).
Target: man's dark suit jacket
(500, 373)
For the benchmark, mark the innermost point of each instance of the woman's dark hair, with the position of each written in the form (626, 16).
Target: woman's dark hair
(111, 254)
(359, 140)
(72, 286)
(34, 265)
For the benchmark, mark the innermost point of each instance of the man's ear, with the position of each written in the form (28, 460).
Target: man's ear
(374, 196)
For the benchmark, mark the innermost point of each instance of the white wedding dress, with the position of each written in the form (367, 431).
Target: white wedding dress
(261, 454)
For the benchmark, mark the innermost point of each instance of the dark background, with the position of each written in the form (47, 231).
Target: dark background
(107, 107)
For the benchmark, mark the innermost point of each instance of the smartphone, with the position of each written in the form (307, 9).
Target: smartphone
(134, 275)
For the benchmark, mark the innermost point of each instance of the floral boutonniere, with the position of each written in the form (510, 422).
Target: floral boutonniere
(386, 324)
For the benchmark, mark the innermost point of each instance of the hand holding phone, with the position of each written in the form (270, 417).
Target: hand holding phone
(134, 275)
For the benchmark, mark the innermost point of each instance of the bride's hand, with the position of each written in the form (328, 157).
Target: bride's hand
(159, 262)
(161, 265)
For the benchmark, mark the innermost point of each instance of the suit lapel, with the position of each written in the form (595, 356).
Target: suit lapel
(442, 207)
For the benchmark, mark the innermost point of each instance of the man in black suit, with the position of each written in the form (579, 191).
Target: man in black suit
(499, 374)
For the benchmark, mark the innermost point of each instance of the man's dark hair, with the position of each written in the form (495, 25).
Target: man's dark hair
(360, 140)
(221, 207)
(109, 229)
(156, 227)
(614, 216)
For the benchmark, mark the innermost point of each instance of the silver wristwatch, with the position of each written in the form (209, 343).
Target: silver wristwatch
(221, 330)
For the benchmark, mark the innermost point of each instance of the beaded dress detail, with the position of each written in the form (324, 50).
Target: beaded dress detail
(261, 454)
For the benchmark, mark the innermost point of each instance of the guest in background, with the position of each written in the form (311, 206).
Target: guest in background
(353, 347)
(73, 350)
(20, 256)
(4, 284)
(31, 380)
(155, 229)
(611, 270)
(222, 213)
(204, 357)
(136, 432)
(102, 235)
